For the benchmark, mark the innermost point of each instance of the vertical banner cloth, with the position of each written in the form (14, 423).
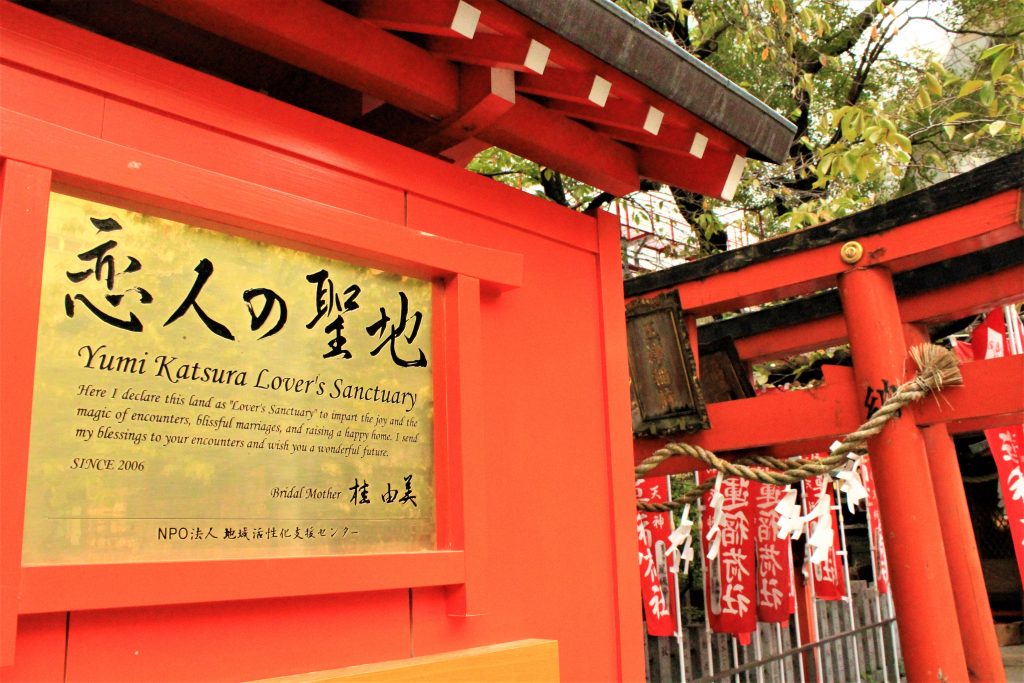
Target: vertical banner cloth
(729, 581)
(827, 576)
(1006, 443)
(654, 528)
(775, 596)
(881, 563)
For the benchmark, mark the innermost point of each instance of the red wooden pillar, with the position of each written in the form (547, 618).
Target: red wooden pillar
(922, 591)
(984, 662)
(977, 631)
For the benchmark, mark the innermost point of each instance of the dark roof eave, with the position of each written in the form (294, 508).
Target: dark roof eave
(614, 36)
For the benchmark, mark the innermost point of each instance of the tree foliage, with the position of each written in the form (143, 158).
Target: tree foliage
(873, 120)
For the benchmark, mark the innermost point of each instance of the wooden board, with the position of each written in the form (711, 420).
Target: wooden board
(523, 660)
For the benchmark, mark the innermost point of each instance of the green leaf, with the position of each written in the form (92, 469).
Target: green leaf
(865, 165)
(851, 125)
(956, 117)
(1000, 63)
(933, 84)
(969, 87)
(904, 142)
(987, 53)
(874, 134)
(987, 95)
(846, 163)
(924, 100)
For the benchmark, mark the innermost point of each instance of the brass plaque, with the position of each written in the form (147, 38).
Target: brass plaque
(204, 396)
(666, 393)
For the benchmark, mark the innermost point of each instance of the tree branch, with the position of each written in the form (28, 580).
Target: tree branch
(970, 31)
(554, 189)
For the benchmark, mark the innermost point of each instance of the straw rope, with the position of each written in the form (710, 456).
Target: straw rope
(937, 368)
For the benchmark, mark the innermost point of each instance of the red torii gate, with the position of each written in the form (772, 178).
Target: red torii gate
(891, 276)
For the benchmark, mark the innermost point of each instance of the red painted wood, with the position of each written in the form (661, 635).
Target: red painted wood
(622, 501)
(234, 641)
(469, 508)
(41, 646)
(547, 397)
(992, 396)
(139, 128)
(45, 45)
(83, 587)
(179, 191)
(481, 103)
(51, 100)
(922, 590)
(974, 297)
(336, 45)
(553, 140)
(991, 221)
(24, 193)
(773, 418)
(433, 18)
(984, 660)
(503, 52)
(561, 84)
(941, 305)
(534, 401)
(706, 176)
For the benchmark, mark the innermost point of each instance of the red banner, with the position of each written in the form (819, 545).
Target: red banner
(653, 529)
(881, 564)
(729, 586)
(827, 576)
(775, 598)
(1006, 443)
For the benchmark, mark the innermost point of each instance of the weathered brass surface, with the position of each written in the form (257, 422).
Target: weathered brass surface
(851, 252)
(184, 408)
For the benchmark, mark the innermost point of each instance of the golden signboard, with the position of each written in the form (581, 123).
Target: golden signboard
(204, 396)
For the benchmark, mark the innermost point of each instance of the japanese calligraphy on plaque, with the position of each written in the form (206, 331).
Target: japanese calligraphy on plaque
(205, 396)
(666, 393)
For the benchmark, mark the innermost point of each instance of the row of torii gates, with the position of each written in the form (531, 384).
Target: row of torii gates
(883, 280)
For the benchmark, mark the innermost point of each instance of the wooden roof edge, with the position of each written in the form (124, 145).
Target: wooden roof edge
(614, 36)
(1000, 175)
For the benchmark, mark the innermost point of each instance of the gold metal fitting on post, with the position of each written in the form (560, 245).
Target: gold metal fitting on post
(851, 252)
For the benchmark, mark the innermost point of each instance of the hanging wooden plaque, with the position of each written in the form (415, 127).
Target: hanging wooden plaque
(666, 391)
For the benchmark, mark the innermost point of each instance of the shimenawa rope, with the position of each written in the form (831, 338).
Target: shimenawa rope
(937, 368)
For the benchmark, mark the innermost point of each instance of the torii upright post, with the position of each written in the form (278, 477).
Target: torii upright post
(922, 591)
(978, 635)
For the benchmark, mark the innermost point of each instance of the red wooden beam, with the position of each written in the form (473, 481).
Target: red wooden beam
(437, 17)
(571, 86)
(991, 221)
(940, 305)
(566, 146)
(766, 420)
(463, 153)
(628, 114)
(485, 96)
(716, 174)
(25, 190)
(670, 138)
(319, 38)
(503, 52)
(992, 396)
